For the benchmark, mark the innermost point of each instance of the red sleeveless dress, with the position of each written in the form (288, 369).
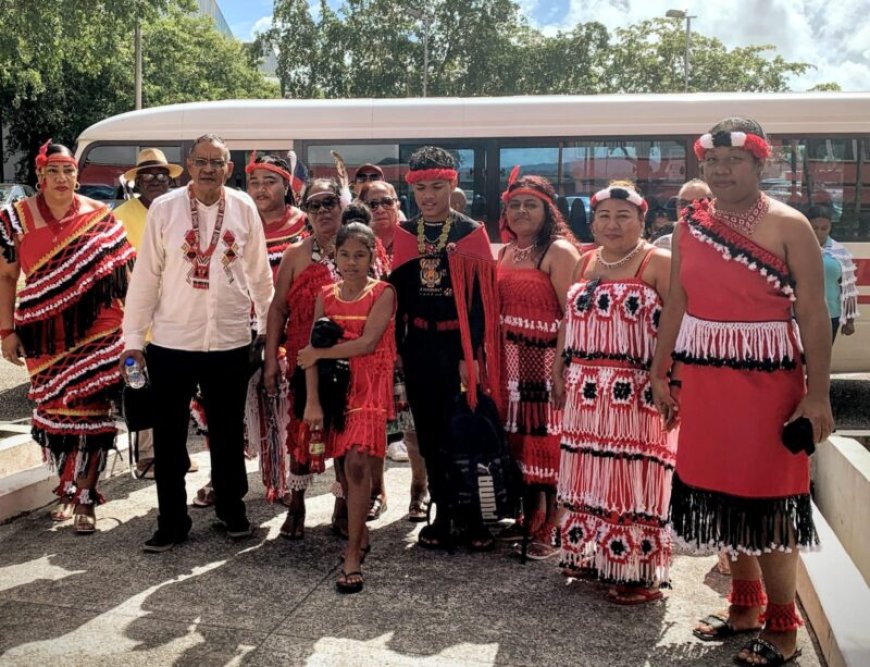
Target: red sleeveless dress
(617, 461)
(530, 317)
(370, 398)
(301, 298)
(736, 485)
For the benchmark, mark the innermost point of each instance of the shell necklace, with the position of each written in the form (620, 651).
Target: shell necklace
(523, 254)
(427, 247)
(620, 262)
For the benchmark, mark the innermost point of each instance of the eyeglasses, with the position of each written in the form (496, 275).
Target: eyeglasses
(386, 202)
(148, 178)
(327, 204)
(367, 176)
(201, 163)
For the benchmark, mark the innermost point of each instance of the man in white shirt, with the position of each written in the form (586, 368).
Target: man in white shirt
(202, 262)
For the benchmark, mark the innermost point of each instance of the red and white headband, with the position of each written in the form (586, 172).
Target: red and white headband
(747, 141)
(42, 157)
(431, 175)
(253, 165)
(617, 192)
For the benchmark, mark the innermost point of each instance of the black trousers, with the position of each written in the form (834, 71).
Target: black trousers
(431, 365)
(223, 378)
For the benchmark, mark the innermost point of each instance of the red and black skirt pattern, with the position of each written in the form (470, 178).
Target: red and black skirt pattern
(736, 487)
(529, 319)
(616, 460)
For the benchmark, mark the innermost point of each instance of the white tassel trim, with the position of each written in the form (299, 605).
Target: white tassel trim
(740, 341)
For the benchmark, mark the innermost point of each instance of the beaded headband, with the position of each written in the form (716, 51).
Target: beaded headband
(616, 192)
(747, 141)
(253, 165)
(431, 175)
(42, 157)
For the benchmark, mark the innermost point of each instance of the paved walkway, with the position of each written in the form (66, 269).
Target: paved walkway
(99, 600)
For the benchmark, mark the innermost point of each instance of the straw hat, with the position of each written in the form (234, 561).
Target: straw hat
(152, 157)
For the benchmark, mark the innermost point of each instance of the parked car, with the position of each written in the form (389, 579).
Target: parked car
(12, 192)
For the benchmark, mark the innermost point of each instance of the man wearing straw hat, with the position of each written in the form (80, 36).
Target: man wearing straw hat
(153, 175)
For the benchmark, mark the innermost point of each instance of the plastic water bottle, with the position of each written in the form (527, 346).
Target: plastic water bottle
(134, 375)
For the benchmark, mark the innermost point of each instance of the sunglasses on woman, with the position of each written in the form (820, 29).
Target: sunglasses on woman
(327, 204)
(375, 204)
(367, 176)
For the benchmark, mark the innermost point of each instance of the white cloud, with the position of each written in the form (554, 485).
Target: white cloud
(832, 36)
(262, 24)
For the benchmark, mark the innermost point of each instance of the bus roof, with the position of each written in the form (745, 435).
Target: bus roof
(446, 117)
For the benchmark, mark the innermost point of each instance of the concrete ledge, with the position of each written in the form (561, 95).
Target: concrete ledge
(841, 476)
(836, 599)
(30, 489)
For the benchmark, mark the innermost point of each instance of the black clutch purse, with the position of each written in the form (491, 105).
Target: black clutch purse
(137, 407)
(333, 377)
(797, 436)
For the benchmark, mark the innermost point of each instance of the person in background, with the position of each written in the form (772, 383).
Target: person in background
(534, 272)
(152, 177)
(841, 284)
(203, 260)
(747, 292)
(617, 459)
(381, 198)
(658, 224)
(458, 200)
(366, 173)
(365, 309)
(691, 191)
(446, 329)
(69, 336)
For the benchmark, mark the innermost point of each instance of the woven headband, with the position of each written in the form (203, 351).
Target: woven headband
(253, 165)
(42, 157)
(750, 142)
(431, 175)
(616, 192)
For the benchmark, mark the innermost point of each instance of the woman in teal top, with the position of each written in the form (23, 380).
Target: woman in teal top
(840, 297)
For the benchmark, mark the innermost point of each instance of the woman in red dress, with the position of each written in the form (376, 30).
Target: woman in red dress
(67, 323)
(617, 460)
(365, 308)
(744, 267)
(534, 273)
(306, 268)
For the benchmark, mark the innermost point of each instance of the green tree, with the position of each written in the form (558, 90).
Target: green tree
(648, 57)
(67, 64)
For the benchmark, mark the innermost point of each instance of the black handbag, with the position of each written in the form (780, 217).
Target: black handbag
(333, 376)
(137, 407)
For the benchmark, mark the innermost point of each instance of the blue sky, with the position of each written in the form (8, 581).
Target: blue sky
(834, 36)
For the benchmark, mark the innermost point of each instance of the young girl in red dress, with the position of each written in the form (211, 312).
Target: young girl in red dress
(365, 309)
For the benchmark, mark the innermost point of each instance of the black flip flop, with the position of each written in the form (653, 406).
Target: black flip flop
(347, 588)
(764, 649)
(720, 629)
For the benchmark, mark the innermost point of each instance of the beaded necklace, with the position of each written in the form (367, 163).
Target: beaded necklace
(327, 258)
(198, 276)
(426, 247)
(743, 222)
(620, 262)
(523, 254)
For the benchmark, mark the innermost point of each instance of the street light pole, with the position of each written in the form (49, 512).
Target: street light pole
(684, 14)
(426, 19)
(138, 75)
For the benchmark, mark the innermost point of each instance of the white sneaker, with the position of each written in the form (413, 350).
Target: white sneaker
(397, 451)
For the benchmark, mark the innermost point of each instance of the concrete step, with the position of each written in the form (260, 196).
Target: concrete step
(30, 488)
(18, 451)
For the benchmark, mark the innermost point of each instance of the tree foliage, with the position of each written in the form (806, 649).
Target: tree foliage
(67, 64)
(374, 48)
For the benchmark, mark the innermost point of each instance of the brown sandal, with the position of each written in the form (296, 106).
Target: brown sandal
(205, 497)
(293, 527)
(84, 523)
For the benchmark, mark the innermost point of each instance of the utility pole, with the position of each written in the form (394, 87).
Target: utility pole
(684, 14)
(427, 19)
(138, 48)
